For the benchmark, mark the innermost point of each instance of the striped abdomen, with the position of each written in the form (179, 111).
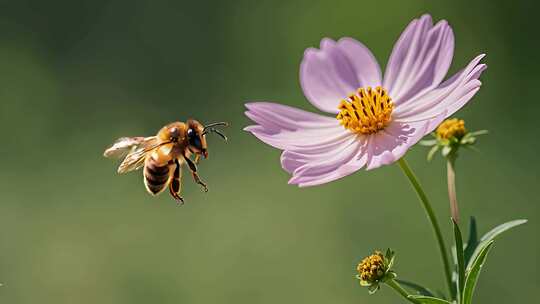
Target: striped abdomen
(156, 177)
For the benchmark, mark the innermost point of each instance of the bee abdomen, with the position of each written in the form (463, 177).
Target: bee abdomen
(155, 177)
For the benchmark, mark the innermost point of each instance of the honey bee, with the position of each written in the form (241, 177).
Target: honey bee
(163, 155)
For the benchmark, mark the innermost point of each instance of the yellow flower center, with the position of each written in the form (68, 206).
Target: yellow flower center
(366, 111)
(372, 268)
(451, 128)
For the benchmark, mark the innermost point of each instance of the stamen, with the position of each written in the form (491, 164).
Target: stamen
(367, 111)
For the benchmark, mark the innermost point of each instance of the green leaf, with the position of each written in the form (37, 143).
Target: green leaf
(373, 288)
(365, 283)
(474, 272)
(440, 294)
(454, 290)
(446, 151)
(390, 275)
(492, 234)
(432, 152)
(429, 300)
(389, 258)
(428, 142)
(468, 140)
(460, 258)
(421, 290)
(453, 287)
(501, 228)
(472, 241)
(473, 148)
(479, 132)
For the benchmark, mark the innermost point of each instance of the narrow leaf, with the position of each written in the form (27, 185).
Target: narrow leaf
(492, 234)
(432, 152)
(460, 258)
(446, 151)
(502, 228)
(373, 288)
(453, 288)
(421, 290)
(479, 132)
(474, 272)
(473, 148)
(428, 142)
(472, 241)
(440, 294)
(468, 140)
(429, 300)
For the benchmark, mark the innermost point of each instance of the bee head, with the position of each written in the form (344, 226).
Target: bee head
(196, 138)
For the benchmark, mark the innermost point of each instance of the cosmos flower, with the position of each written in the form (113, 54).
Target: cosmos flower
(375, 119)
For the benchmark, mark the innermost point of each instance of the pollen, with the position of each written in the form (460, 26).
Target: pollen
(451, 128)
(366, 111)
(372, 268)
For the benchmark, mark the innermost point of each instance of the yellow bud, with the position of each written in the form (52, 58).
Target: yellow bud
(451, 128)
(372, 268)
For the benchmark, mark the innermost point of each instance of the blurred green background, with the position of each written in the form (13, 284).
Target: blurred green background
(75, 75)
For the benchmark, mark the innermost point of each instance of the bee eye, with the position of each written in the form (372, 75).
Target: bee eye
(194, 139)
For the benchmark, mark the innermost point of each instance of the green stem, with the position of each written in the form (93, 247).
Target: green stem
(431, 215)
(452, 197)
(395, 285)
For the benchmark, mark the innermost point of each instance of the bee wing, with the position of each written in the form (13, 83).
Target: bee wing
(134, 160)
(125, 145)
(134, 149)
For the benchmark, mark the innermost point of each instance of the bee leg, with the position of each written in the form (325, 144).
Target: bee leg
(197, 158)
(193, 169)
(175, 184)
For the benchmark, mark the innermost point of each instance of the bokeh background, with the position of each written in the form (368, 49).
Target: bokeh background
(75, 75)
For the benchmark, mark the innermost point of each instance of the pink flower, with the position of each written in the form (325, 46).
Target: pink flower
(375, 119)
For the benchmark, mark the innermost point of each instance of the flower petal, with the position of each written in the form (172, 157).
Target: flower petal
(364, 64)
(390, 144)
(317, 149)
(449, 97)
(292, 160)
(320, 169)
(288, 128)
(420, 59)
(335, 71)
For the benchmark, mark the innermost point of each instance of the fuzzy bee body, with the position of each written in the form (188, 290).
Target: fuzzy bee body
(156, 177)
(163, 155)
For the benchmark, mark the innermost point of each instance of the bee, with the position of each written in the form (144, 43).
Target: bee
(163, 155)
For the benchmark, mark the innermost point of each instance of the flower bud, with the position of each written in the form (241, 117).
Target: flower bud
(449, 136)
(375, 269)
(451, 128)
(372, 268)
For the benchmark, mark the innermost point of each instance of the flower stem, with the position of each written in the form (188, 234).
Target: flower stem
(395, 285)
(431, 215)
(451, 176)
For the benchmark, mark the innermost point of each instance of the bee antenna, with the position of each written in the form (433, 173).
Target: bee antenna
(211, 128)
(215, 124)
(220, 134)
